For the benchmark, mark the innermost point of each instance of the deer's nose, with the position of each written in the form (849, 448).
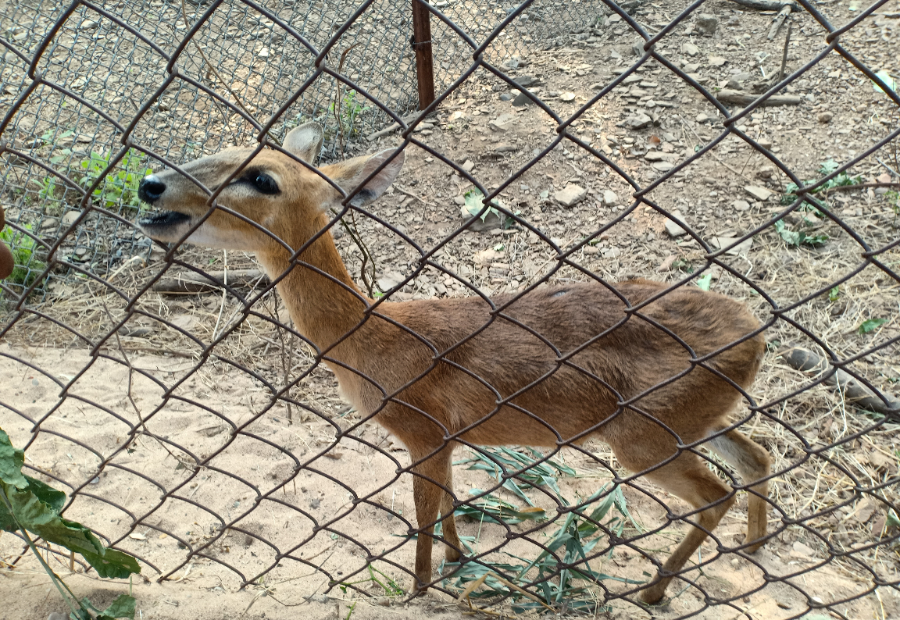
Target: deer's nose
(151, 188)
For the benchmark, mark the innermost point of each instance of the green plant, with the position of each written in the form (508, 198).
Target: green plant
(120, 185)
(387, 584)
(869, 326)
(704, 281)
(495, 461)
(27, 267)
(825, 168)
(348, 114)
(834, 294)
(797, 238)
(29, 505)
(475, 203)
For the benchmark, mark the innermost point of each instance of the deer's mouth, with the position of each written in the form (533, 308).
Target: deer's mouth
(163, 223)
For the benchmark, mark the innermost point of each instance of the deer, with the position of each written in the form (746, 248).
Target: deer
(558, 365)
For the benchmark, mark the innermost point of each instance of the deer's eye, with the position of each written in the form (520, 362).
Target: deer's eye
(264, 183)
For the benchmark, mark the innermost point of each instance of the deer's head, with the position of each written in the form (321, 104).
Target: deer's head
(270, 191)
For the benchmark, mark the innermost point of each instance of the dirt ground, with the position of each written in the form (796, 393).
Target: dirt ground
(151, 500)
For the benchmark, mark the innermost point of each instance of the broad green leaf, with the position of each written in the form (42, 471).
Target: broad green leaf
(885, 77)
(11, 461)
(704, 281)
(828, 166)
(871, 325)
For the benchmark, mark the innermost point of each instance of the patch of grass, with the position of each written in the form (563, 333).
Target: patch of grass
(377, 578)
(120, 186)
(797, 238)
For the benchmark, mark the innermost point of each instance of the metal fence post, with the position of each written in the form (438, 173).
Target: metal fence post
(421, 42)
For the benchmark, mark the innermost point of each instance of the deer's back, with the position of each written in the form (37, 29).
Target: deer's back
(566, 355)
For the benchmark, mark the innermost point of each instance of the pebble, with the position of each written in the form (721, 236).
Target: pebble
(522, 99)
(663, 166)
(69, 218)
(726, 242)
(506, 97)
(825, 117)
(468, 165)
(717, 61)
(702, 118)
(570, 195)
(50, 222)
(567, 96)
(690, 49)
(638, 121)
(609, 197)
(655, 156)
(526, 80)
(766, 172)
(760, 193)
(674, 229)
(707, 24)
(88, 24)
(740, 205)
(263, 53)
(502, 122)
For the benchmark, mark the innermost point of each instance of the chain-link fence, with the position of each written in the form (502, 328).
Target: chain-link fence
(193, 415)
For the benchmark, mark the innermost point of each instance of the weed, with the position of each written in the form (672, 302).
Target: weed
(797, 238)
(475, 204)
(704, 281)
(29, 505)
(834, 294)
(119, 186)
(27, 267)
(387, 584)
(869, 326)
(825, 168)
(348, 114)
(499, 461)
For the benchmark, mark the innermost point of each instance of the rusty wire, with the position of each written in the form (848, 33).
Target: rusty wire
(128, 137)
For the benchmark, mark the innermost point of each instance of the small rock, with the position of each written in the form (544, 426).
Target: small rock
(612, 253)
(610, 198)
(674, 229)
(707, 24)
(502, 122)
(740, 248)
(663, 166)
(655, 156)
(88, 24)
(522, 99)
(389, 280)
(505, 148)
(798, 548)
(760, 193)
(460, 201)
(526, 80)
(740, 205)
(506, 97)
(825, 117)
(567, 96)
(691, 67)
(263, 53)
(766, 172)
(468, 165)
(637, 48)
(884, 178)
(570, 195)
(50, 222)
(702, 118)
(717, 61)
(638, 121)
(69, 218)
(766, 143)
(690, 49)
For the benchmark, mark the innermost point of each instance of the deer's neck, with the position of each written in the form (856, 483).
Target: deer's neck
(323, 309)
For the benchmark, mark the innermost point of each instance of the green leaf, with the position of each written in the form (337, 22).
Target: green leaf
(871, 325)
(892, 519)
(834, 294)
(828, 166)
(704, 281)
(11, 461)
(885, 77)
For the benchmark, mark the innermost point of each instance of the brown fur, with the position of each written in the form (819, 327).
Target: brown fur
(440, 392)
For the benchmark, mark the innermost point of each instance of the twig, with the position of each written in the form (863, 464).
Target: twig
(212, 69)
(784, 55)
(845, 188)
(807, 361)
(776, 26)
(338, 100)
(764, 5)
(889, 169)
(738, 98)
(400, 189)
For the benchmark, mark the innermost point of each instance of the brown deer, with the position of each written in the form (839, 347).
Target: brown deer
(562, 380)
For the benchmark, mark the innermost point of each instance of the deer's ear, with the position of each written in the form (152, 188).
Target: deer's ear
(349, 174)
(305, 141)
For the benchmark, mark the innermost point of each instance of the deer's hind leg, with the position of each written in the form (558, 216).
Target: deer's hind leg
(429, 498)
(752, 462)
(688, 478)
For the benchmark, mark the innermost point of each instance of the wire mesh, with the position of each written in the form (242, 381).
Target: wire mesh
(258, 476)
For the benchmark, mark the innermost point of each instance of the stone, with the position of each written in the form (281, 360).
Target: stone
(663, 166)
(506, 97)
(717, 61)
(50, 222)
(667, 263)
(740, 248)
(691, 67)
(69, 218)
(459, 200)
(766, 172)
(522, 99)
(263, 53)
(468, 165)
(502, 122)
(760, 193)
(825, 117)
(526, 80)
(610, 198)
(740, 205)
(570, 195)
(638, 121)
(690, 49)
(701, 118)
(88, 24)
(389, 280)
(567, 96)
(884, 178)
(707, 24)
(655, 156)
(673, 228)
(766, 143)
(505, 148)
